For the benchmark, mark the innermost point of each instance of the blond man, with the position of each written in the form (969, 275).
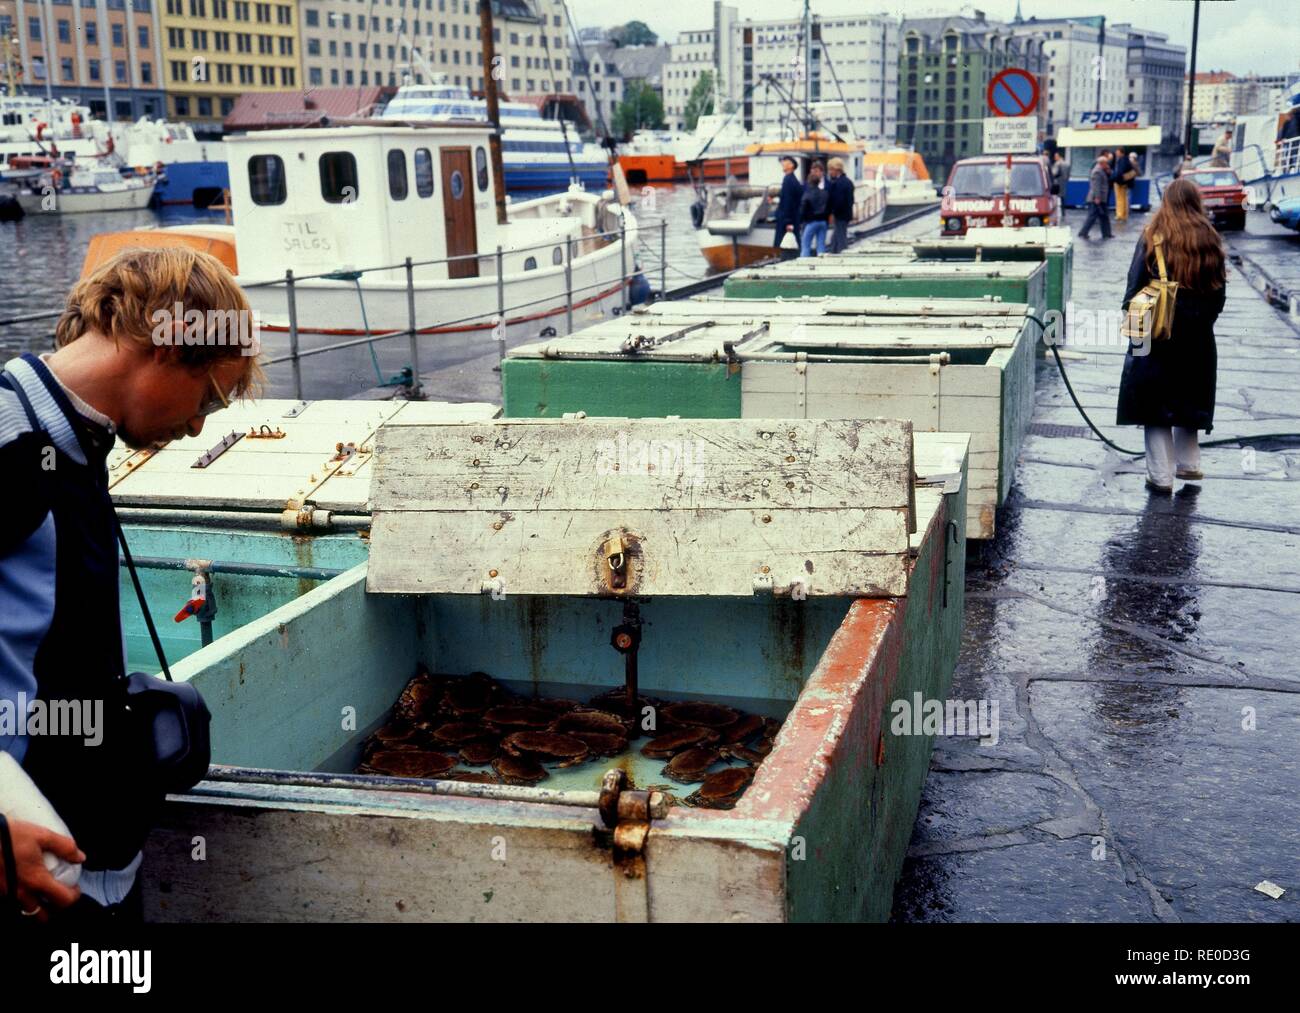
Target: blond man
(144, 352)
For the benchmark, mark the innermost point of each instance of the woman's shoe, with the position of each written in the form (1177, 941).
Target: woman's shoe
(1191, 474)
(1159, 490)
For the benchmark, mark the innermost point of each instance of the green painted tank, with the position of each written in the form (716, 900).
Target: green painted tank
(851, 275)
(752, 582)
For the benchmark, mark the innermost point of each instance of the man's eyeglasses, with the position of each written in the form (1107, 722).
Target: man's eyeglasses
(215, 402)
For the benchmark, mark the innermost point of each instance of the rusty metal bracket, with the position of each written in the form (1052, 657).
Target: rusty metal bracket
(296, 410)
(627, 815)
(950, 528)
(226, 443)
(264, 432)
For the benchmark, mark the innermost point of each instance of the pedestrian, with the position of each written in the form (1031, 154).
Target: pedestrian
(840, 204)
(1168, 385)
(1222, 156)
(1123, 175)
(786, 220)
(814, 210)
(1098, 198)
(125, 367)
(1058, 176)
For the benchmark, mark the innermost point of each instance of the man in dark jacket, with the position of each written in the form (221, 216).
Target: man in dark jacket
(840, 203)
(1098, 197)
(814, 210)
(787, 210)
(130, 363)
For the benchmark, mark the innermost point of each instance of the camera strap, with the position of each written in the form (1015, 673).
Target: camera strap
(40, 430)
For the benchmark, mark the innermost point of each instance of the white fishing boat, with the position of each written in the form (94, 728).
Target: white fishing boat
(907, 181)
(32, 127)
(75, 187)
(739, 220)
(193, 172)
(343, 207)
(1266, 152)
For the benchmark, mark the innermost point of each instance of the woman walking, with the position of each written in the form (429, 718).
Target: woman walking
(1168, 384)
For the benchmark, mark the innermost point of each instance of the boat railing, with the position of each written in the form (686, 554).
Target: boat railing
(573, 295)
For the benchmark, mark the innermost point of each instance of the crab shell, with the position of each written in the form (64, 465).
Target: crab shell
(417, 699)
(475, 754)
(590, 721)
(723, 789)
(546, 746)
(690, 766)
(745, 727)
(512, 717)
(470, 695)
(408, 763)
(602, 743)
(457, 733)
(519, 770)
(669, 744)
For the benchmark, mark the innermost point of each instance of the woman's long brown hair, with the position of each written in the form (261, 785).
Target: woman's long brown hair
(1192, 250)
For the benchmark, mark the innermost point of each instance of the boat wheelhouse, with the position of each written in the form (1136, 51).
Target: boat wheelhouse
(1266, 153)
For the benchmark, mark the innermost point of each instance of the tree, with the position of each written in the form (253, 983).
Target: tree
(641, 107)
(700, 102)
(634, 33)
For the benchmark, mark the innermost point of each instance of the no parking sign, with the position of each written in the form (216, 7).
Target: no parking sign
(1013, 92)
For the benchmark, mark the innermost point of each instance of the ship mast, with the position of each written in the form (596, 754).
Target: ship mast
(807, 65)
(493, 108)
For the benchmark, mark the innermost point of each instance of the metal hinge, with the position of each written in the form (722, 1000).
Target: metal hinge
(626, 817)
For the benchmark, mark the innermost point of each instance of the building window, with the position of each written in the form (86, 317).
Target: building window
(118, 33)
(92, 32)
(288, 76)
(65, 31)
(397, 183)
(338, 177)
(314, 76)
(34, 29)
(423, 172)
(143, 36)
(66, 64)
(266, 179)
(94, 69)
(119, 68)
(311, 17)
(146, 73)
(227, 106)
(182, 105)
(205, 106)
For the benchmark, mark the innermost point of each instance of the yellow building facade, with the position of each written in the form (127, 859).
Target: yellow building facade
(213, 51)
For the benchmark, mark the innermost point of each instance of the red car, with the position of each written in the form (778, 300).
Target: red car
(977, 195)
(1223, 195)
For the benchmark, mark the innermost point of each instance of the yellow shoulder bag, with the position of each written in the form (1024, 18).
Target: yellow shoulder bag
(1151, 312)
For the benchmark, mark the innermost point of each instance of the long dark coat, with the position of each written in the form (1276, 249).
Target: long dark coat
(787, 211)
(1173, 384)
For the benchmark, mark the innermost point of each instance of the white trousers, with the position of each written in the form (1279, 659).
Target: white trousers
(1165, 446)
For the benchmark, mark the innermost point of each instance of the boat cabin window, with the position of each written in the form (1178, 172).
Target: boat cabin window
(480, 165)
(397, 185)
(530, 264)
(557, 256)
(423, 172)
(266, 179)
(338, 177)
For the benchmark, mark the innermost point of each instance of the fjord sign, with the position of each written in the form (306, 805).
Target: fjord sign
(1013, 92)
(1006, 136)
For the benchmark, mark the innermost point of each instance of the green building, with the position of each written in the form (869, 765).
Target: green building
(944, 68)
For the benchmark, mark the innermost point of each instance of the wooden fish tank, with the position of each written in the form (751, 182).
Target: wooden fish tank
(269, 502)
(810, 571)
(853, 274)
(944, 365)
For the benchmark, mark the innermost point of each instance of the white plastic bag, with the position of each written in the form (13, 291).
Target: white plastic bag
(20, 799)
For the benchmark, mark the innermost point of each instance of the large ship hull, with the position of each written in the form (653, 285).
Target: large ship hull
(555, 176)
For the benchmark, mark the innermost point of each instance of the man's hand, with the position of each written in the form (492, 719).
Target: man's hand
(37, 888)
(789, 228)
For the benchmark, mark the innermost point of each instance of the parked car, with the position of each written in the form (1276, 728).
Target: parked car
(982, 193)
(1286, 213)
(1223, 195)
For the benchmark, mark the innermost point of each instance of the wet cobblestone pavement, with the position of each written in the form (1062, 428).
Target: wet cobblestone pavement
(1144, 653)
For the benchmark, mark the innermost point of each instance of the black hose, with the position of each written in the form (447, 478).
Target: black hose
(1226, 442)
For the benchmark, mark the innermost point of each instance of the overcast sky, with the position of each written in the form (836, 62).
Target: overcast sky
(1241, 36)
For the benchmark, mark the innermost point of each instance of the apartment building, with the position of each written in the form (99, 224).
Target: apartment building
(215, 50)
(104, 54)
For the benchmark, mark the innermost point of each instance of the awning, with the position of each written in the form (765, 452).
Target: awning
(1132, 137)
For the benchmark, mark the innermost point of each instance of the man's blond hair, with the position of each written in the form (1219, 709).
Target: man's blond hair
(836, 163)
(126, 297)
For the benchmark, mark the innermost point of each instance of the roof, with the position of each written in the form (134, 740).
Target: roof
(264, 109)
(1073, 137)
(640, 63)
